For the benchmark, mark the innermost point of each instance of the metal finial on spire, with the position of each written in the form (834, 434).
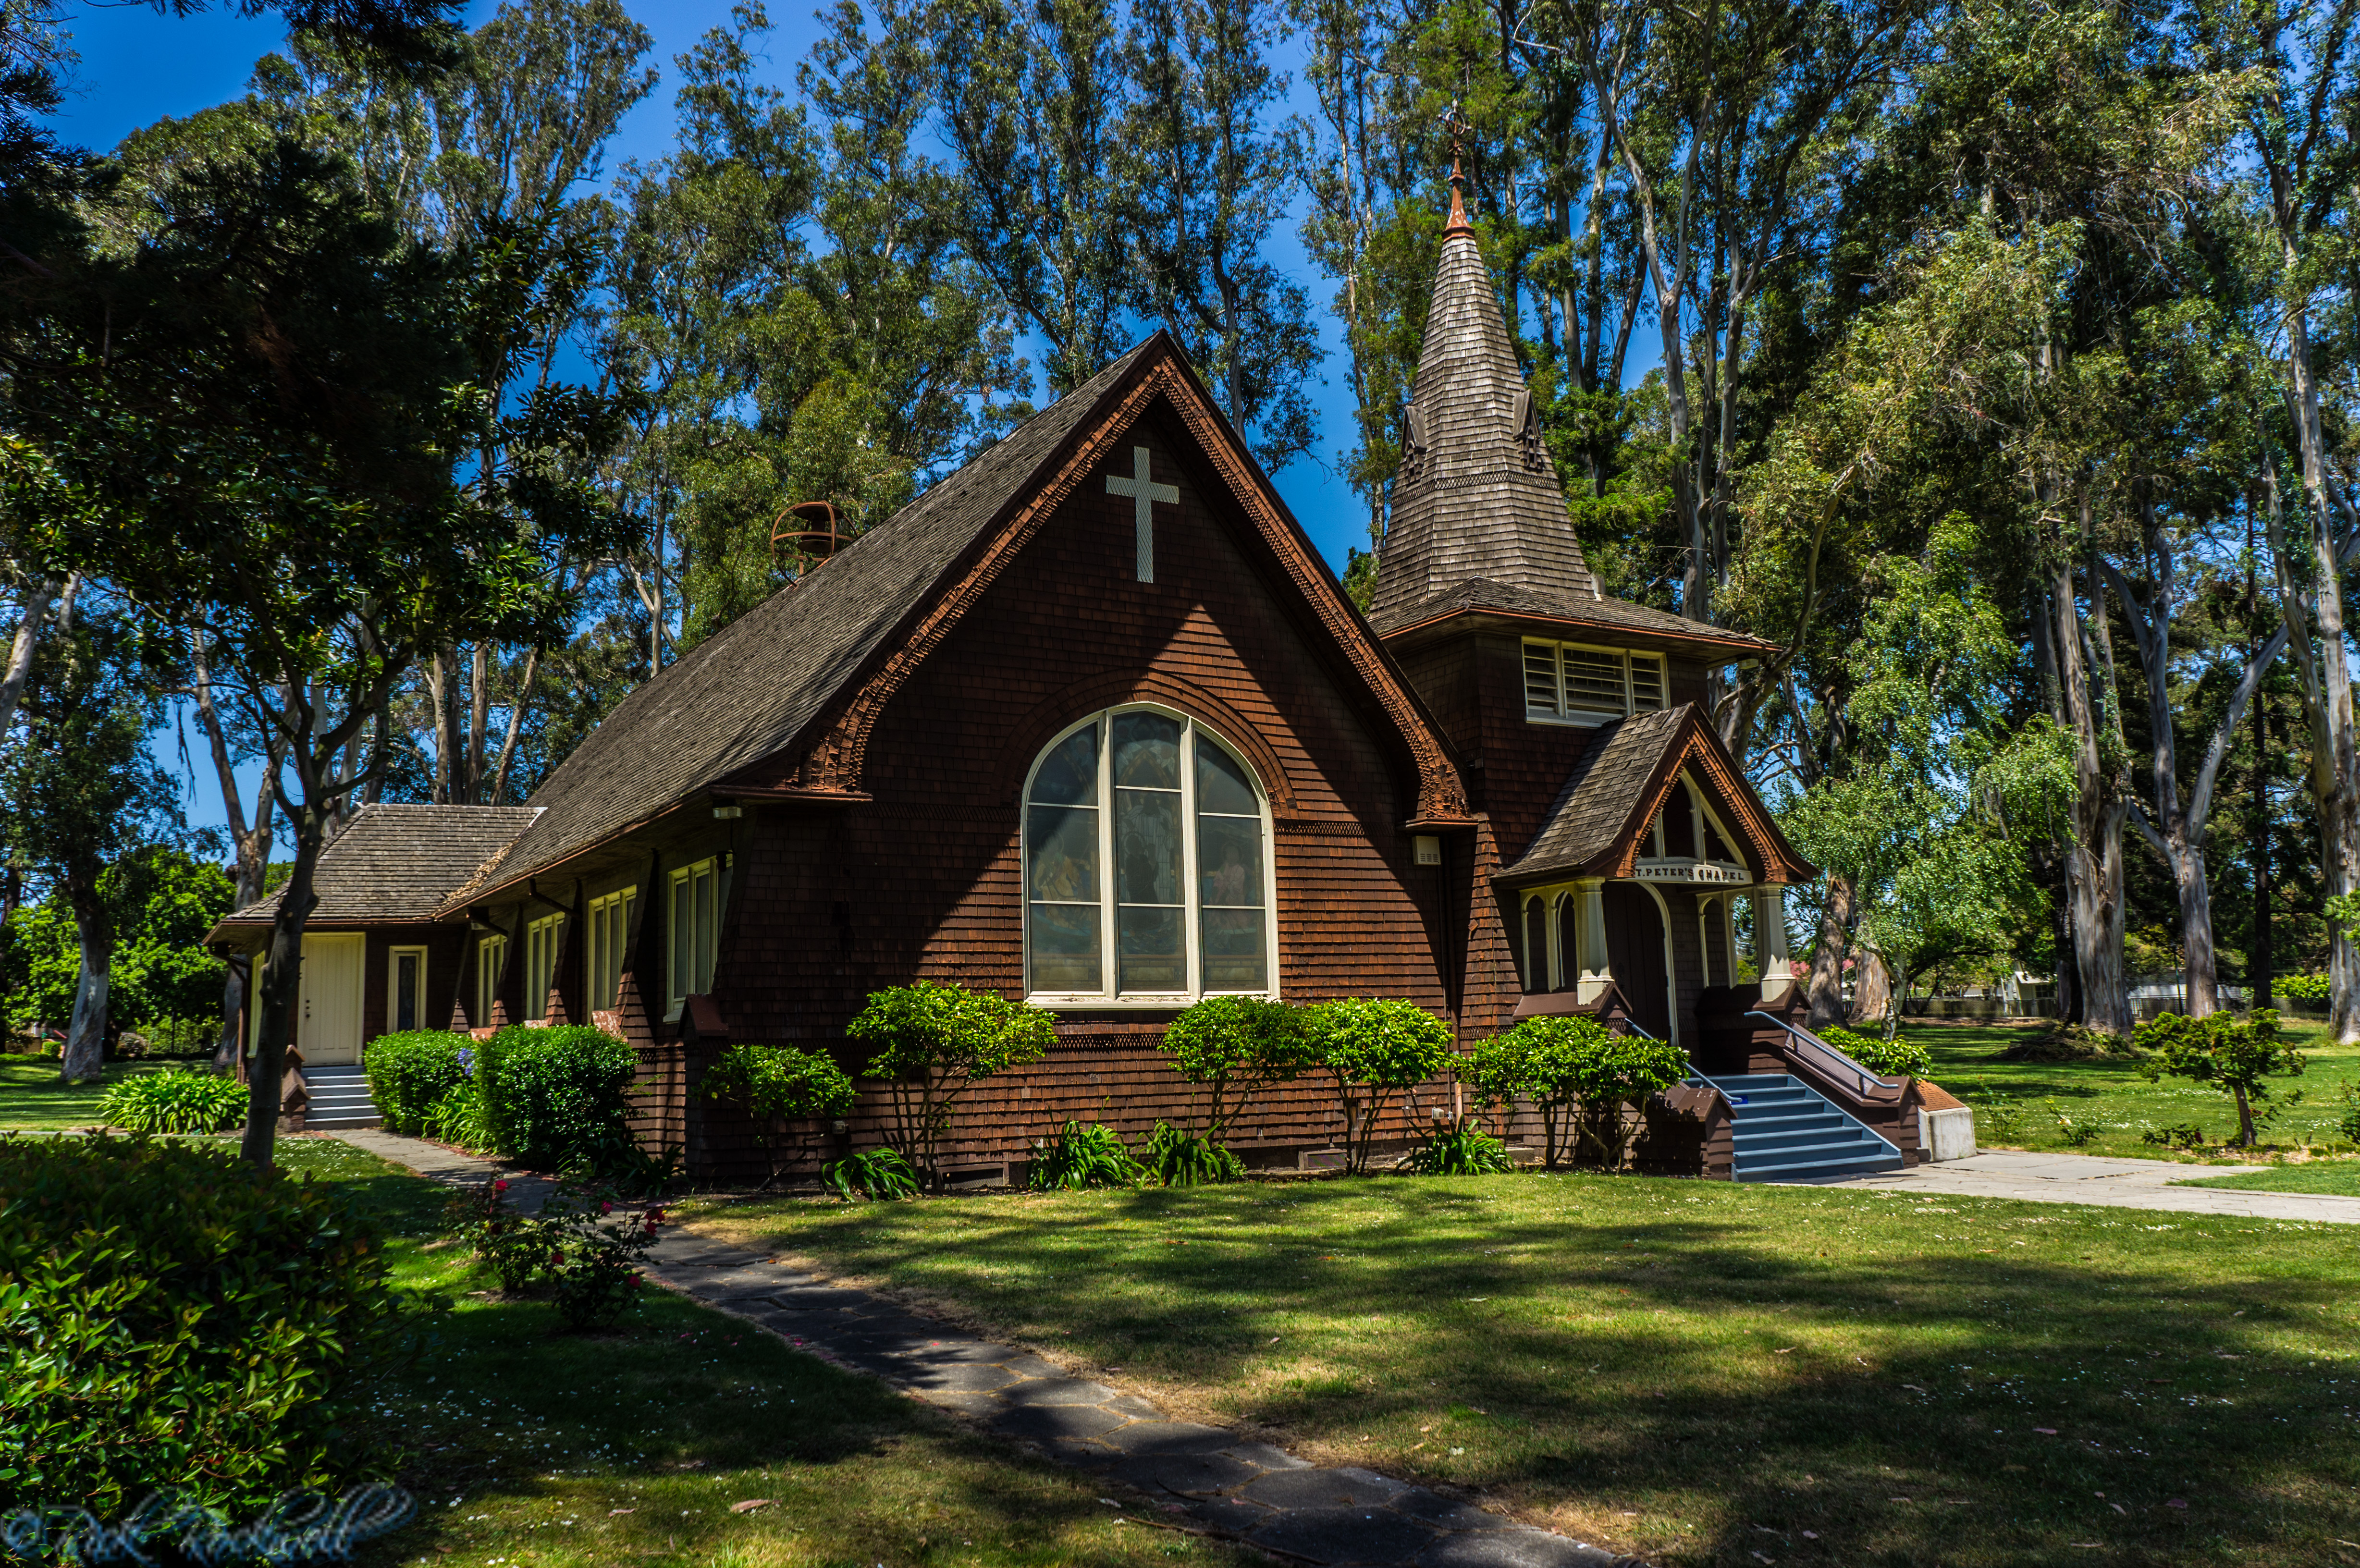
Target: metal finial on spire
(1458, 129)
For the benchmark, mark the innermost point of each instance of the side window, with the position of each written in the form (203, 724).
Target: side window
(491, 956)
(610, 928)
(541, 965)
(405, 1000)
(695, 928)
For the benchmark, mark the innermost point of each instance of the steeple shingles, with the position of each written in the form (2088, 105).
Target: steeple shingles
(1478, 495)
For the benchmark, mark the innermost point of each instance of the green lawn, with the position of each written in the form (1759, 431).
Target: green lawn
(528, 1447)
(33, 1097)
(2342, 1178)
(2110, 1090)
(1704, 1372)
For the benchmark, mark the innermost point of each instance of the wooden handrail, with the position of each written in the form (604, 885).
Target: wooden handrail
(1835, 1066)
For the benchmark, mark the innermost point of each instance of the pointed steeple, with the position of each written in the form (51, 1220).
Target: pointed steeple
(1478, 495)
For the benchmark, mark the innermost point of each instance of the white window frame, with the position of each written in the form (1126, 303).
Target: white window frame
(541, 943)
(393, 958)
(491, 957)
(1558, 711)
(610, 932)
(1110, 998)
(689, 972)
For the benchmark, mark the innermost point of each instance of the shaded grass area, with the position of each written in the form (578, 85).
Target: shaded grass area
(33, 1097)
(2110, 1091)
(527, 1445)
(2341, 1178)
(1701, 1371)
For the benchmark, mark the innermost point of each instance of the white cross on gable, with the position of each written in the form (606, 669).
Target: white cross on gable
(1144, 495)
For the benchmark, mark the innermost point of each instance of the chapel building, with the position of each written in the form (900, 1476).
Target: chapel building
(1092, 723)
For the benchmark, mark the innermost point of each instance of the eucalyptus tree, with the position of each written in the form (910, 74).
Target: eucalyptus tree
(1206, 171)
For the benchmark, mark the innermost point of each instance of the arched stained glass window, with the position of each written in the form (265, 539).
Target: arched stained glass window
(1147, 873)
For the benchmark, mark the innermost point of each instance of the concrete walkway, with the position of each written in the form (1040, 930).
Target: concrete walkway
(2110, 1183)
(1205, 1479)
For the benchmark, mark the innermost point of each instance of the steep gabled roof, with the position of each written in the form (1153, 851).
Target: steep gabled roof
(804, 672)
(1622, 781)
(395, 864)
(750, 687)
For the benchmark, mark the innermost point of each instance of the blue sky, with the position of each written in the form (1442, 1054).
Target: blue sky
(137, 67)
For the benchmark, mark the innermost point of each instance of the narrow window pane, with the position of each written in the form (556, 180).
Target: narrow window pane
(1228, 862)
(406, 986)
(1151, 956)
(1147, 847)
(1568, 958)
(1063, 842)
(684, 941)
(707, 926)
(1222, 786)
(1234, 951)
(1146, 752)
(1536, 954)
(1066, 948)
(1540, 678)
(1069, 775)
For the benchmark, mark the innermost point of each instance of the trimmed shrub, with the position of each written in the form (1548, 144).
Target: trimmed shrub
(931, 1041)
(409, 1072)
(174, 1100)
(1237, 1045)
(777, 1085)
(558, 1097)
(1894, 1057)
(2236, 1056)
(2303, 987)
(170, 1317)
(1541, 1060)
(1375, 1046)
(1082, 1156)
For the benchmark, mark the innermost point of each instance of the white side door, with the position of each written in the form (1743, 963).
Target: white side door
(328, 1021)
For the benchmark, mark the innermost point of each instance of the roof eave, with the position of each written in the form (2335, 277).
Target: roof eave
(1738, 644)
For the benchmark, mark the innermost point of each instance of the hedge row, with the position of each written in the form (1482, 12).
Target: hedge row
(552, 1097)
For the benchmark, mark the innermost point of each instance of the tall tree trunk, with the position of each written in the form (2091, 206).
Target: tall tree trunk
(1828, 953)
(499, 794)
(249, 844)
(283, 979)
(38, 600)
(86, 1039)
(2093, 853)
(1871, 987)
(2259, 959)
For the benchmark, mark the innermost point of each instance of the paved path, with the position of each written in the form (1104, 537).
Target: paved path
(2111, 1184)
(1204, 1478)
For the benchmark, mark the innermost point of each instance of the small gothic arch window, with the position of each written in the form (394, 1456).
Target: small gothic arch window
(1147, 866)
(1536, 952)
(1569, 960)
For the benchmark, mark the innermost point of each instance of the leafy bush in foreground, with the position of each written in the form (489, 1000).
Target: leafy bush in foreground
(931, 1041)
(171, 1317)
(409, 1072)
(174, 1100)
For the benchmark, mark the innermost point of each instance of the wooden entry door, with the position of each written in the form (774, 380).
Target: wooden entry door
(328, 1017)
(1634, 946)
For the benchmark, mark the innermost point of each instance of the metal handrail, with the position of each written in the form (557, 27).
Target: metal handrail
(1868, 1085)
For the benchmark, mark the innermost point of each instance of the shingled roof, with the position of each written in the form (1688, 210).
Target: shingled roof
(1616, 788)
(397, 864)
(1478, 495)
(1482, 593)
(1603, 797)
(748, 690)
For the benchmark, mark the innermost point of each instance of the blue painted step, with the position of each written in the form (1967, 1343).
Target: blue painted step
(1787, 1131)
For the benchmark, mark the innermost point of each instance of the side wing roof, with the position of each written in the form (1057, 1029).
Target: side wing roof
(393, 864)
(1623, 779)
